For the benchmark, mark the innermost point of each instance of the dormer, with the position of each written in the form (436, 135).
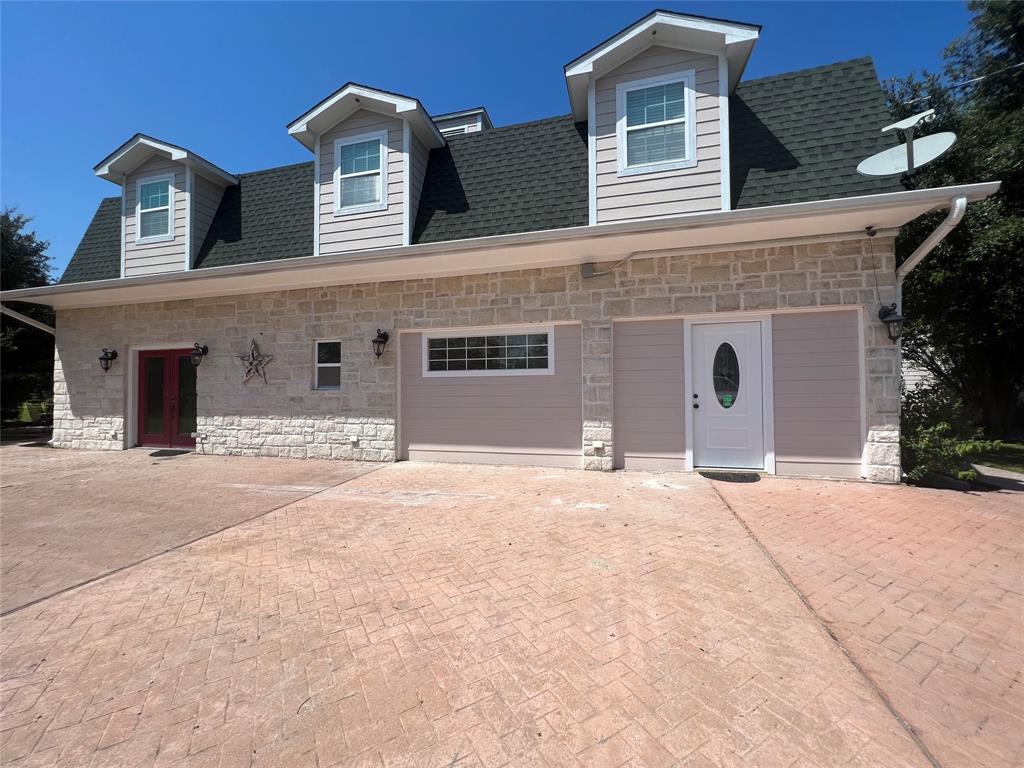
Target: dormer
(370, 151)
(655, 98)
(463, 121)
(168, 198)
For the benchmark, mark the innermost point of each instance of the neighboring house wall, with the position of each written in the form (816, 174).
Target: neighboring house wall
(494, 419)
(816, 363)
(419, 155)
(154, 258)
(287, 418)
(205, 199)
(355, 231)
(649, 404)
(659, 193)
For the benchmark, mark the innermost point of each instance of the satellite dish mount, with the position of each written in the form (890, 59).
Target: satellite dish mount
(912, 154)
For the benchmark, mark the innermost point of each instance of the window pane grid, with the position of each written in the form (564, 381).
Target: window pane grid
(656, 124)
(511, 352)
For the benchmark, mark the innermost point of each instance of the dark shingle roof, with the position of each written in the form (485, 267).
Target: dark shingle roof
(268, 215)
(799, 136)
(520, 178)
(98, 255)
(794, 137)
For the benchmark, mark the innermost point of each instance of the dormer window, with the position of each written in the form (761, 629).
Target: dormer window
(656, 124)
(155, 196)
(360, 173)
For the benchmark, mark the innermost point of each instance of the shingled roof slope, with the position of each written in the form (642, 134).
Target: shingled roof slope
(794, 137)
(520, 178)
(799, 136)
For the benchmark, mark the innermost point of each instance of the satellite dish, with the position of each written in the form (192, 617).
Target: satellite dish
(893, 161)
(913, 153)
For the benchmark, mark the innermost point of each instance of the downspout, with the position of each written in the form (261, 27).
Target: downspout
(957, 208)
(28, 320)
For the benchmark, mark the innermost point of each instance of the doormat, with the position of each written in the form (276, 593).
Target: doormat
(732, 477)
(167, 453)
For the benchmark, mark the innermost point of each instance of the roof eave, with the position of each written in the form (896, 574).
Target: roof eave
(353, 96)
(140, 147)
(574, 245)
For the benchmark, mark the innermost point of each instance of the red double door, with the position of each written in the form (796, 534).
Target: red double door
(167, 398)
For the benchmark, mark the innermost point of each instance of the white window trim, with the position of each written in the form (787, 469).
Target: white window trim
(169, 178)
(382, 204)
(507, 330)
(318, 365)
(688, 77)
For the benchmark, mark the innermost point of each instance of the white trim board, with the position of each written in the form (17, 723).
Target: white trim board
(723, 132)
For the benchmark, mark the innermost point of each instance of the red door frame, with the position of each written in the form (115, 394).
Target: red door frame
(169, 437)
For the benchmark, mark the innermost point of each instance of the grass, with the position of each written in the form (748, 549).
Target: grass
(1008, 456)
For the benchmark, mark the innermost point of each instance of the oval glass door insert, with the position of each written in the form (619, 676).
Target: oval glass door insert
(726, 375)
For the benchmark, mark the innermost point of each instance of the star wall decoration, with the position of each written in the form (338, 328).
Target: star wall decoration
(254, 363)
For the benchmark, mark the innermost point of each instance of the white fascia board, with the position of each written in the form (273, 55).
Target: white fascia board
(718, 230)
(333, 110)
(139, 148)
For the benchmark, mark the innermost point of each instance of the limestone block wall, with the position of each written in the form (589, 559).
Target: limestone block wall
(287, 417)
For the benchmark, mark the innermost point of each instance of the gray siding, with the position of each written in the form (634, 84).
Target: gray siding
(418, 157)
(649, 403)
(816, 362)
(494, 419)
(661, 193)
(205, 199)
(377, 229)
(154, 258)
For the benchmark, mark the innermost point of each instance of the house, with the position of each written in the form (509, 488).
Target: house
(684, 271)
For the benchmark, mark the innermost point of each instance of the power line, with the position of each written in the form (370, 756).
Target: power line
(971, 81)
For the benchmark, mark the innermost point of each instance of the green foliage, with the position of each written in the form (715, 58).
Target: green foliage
(938, 435)
(965, 302)
(26, 367)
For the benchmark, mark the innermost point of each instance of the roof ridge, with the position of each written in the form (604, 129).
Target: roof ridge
(808, 70)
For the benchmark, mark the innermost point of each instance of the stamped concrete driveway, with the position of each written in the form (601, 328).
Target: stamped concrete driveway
(427, 615)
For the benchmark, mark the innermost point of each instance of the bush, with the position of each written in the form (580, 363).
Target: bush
(938, 435)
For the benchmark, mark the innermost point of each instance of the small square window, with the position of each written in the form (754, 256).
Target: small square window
(327, 365)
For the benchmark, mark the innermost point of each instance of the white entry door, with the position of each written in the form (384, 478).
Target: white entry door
(727, 400)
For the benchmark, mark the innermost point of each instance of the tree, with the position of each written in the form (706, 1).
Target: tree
(965, 302)
(26, 373)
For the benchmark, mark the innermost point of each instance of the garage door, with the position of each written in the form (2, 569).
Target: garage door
(493, 396)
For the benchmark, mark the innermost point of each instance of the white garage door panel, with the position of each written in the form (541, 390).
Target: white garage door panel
(532, 420)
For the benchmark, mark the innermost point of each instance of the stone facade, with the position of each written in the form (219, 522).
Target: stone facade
(286, 417)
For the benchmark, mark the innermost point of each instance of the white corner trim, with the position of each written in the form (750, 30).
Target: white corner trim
(169, 178)
(863, 373)
(768, 385)
(385, 157)
(124, 216)
(504, 330)
(723, 131)
(689, 79)
(406, 183)
(189, 211)
(592, 150)
(316, 195)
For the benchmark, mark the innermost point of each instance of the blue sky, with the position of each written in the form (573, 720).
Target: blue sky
(223, 79)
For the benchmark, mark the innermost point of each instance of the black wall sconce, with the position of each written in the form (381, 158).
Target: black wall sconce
(893, 321)
(380, 342)
(107, 358)
(197, 354)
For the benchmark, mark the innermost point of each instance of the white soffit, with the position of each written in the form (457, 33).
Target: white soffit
(717, 230)
(352, 97)
(139, 148)
(674, 30)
